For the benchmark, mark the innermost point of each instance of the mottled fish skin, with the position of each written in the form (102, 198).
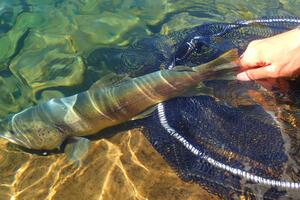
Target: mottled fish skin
(47, 125)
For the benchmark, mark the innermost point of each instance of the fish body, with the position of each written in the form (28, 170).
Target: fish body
(46, 126)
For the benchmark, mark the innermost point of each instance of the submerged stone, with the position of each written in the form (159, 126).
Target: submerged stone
(292, 6)
(48, 61)
(9, 42)
(183, 21)
(49, 94)
(241, 10)
(102, 29)
(9, 10)
(14, 96)
(56, 22)
(151, 12)
(13, 41)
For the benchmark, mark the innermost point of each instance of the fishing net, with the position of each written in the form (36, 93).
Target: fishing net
(241, 139)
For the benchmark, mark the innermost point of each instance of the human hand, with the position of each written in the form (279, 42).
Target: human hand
(274, 57)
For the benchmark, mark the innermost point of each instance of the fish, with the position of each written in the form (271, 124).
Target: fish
(107, 103)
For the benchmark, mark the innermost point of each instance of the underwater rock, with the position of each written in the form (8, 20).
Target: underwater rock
(102, 29)
(14, 96)
(86, 7)
(36, 4)
(9, 11)
(291, 6)
(201, 9)
(13, 41)
(10, 41)
(150, 12)
(90, 7)
(55, 22)
(183, 21)
(48, 60)
(236, 10)
(49, 94)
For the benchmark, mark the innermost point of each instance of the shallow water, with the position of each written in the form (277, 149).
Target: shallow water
(124, 166)
(44, 44)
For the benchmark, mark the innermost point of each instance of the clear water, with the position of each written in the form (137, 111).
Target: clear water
(43, 46)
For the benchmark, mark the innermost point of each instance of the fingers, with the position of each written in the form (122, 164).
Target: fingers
(253, 64)
(251, 57)
(258, 73)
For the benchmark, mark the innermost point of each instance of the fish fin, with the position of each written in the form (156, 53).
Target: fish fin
(201, 89)
(224, 62)
(145, 113)
(109, 80)
(76, 149)
(226, 74)
(183, 69)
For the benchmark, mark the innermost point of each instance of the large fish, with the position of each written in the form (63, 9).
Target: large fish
(46, 126)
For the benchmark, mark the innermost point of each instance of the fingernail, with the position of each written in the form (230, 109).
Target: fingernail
(243, 76)
(241, 60)
(241, 56)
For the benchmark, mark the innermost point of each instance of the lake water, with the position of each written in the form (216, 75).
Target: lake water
(44, 45)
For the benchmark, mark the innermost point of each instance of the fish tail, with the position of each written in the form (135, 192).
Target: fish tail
(223, 67)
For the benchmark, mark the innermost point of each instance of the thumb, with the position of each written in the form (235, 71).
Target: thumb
(258, 73)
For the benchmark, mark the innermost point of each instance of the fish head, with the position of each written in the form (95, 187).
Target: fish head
(32, 134)
(12, 137)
